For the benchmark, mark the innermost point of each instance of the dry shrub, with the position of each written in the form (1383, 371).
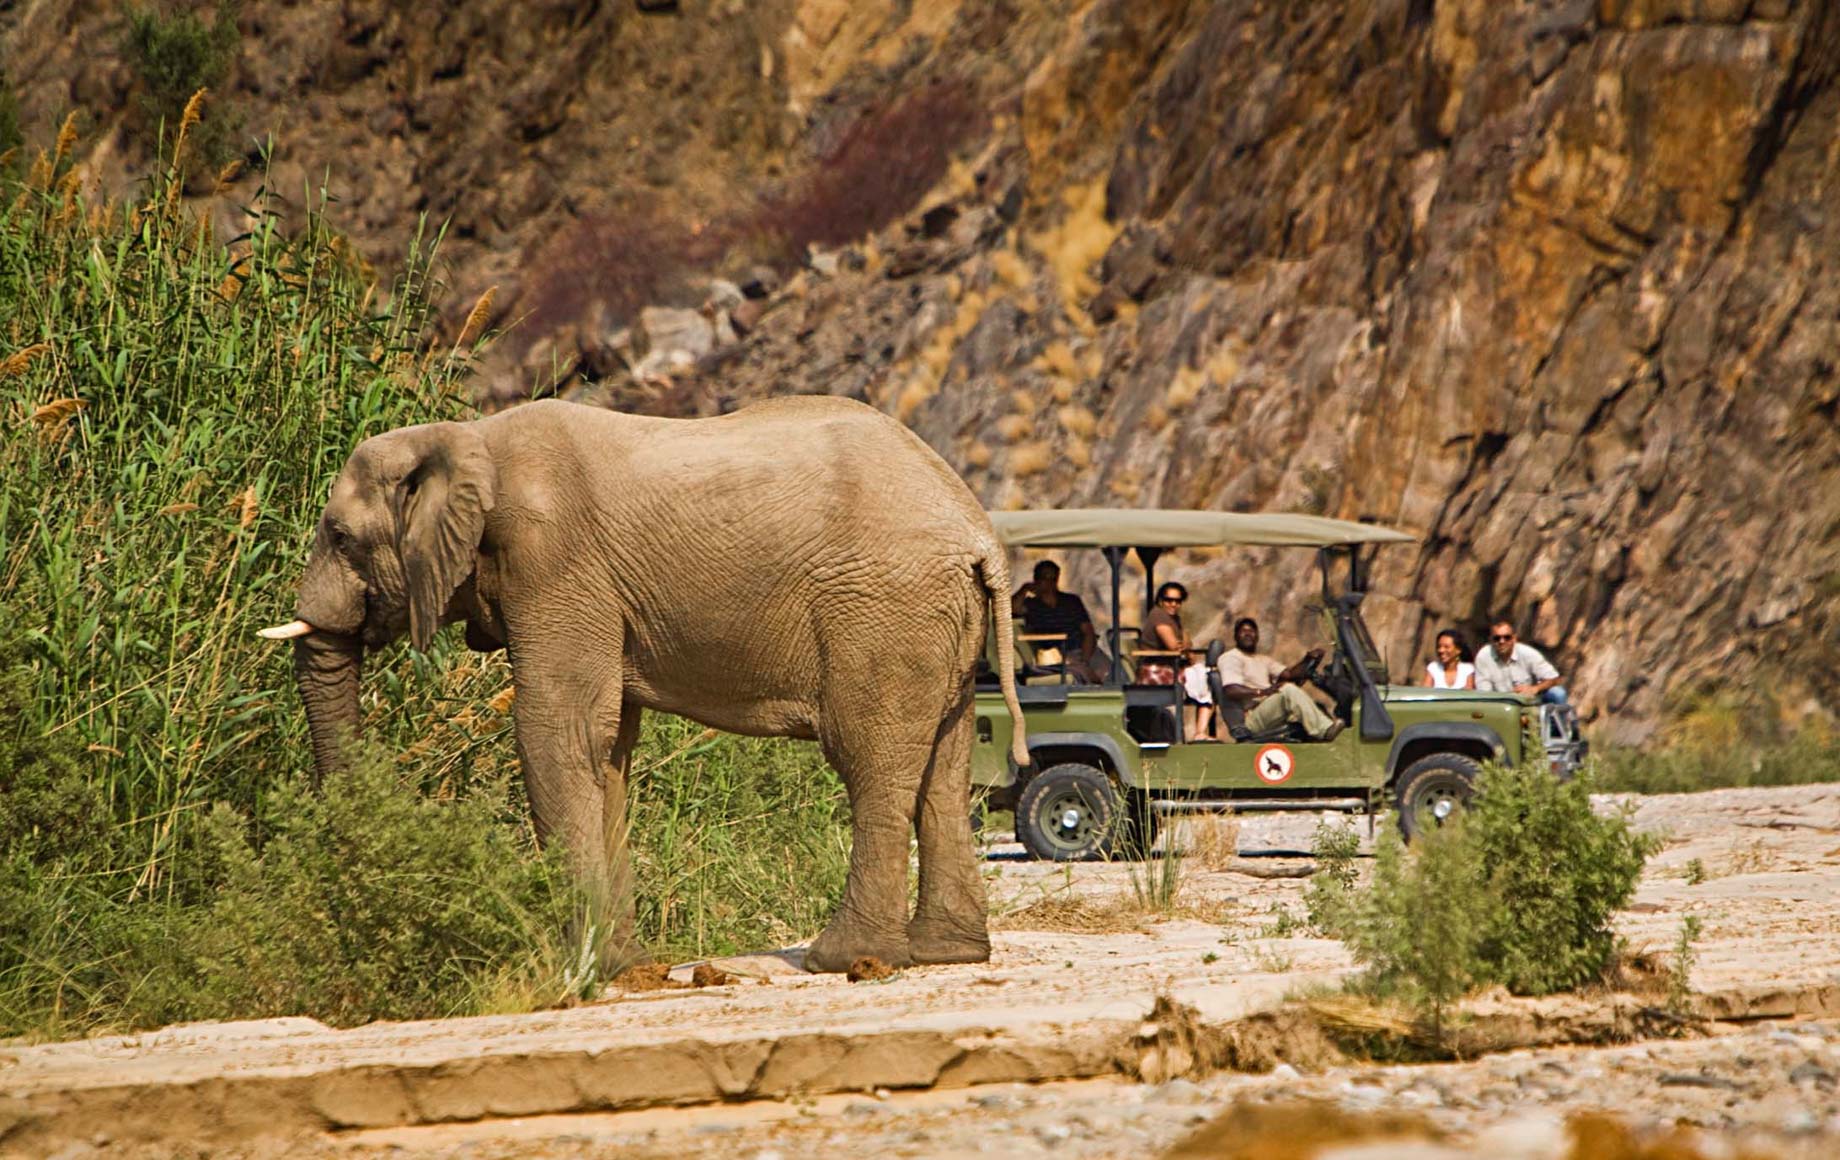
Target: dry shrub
(1014, 427)
(1214, 840)
(1027, 459)
(1073, 915)
(1183, 389)
(1075, 244)
(1078, 421)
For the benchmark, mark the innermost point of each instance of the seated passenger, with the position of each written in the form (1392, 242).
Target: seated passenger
(1044, 608)
(1257, 684)
(1450, 670)
(1507, 666)
(1162, 631)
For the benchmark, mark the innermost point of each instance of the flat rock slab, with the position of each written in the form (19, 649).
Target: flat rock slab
(1760, 867)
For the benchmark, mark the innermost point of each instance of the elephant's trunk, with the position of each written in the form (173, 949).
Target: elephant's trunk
(327, 667)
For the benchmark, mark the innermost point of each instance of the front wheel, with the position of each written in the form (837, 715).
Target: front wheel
(1071, 813)
(1432, 789)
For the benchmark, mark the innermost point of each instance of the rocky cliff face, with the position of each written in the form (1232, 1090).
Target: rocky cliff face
(1554, 285)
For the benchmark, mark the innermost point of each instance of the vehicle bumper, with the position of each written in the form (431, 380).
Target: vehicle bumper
(1562, 739)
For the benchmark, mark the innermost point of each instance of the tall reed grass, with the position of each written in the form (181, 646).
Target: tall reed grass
(173, 407)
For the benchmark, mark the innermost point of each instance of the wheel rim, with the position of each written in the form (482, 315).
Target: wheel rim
(1068, 820)
(1436, 799)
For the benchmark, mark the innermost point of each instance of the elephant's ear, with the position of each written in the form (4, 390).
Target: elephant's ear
(441, 507)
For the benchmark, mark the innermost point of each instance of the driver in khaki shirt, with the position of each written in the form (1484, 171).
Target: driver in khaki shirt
(1261, 687)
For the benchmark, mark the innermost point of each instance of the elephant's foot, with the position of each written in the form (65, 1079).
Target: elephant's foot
(840, 945)
(944, 941)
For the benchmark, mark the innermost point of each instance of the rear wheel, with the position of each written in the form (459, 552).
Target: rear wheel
(1432, 789)
(1071, 812)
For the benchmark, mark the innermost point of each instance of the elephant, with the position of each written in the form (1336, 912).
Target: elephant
(803, 567)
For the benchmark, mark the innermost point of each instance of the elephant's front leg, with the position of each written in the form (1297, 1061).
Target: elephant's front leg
(575, 739)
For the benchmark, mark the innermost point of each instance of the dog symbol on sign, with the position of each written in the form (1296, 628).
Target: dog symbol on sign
(1273, 764)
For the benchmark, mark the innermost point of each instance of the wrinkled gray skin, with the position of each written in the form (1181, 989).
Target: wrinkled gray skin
(804, 567)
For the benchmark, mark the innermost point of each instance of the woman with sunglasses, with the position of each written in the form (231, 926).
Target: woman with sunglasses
(1162, 631)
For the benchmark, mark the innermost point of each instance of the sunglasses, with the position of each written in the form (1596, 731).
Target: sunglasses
(1502, 636)
(1172, 599)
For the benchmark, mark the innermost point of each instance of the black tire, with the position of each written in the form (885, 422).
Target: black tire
(1071, 812)
(1431, 788)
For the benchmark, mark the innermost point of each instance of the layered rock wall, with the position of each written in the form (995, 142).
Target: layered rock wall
(1554, 285)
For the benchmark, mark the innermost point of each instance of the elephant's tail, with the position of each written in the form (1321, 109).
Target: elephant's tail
(993, 570)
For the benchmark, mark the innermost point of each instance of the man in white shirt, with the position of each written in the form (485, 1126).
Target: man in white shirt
(1508, 666)
(1263, 688)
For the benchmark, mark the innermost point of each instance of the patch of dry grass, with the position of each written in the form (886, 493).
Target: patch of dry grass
(1213, 841)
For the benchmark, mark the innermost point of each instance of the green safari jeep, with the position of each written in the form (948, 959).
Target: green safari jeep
(1109, 759)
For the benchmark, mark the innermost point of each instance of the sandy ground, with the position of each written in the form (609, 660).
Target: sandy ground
(1023, 1053)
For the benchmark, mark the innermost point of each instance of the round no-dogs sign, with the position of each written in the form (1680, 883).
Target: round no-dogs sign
(1273, 764)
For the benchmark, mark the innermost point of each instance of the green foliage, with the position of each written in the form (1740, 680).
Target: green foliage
(1559, 872)
(1156, 881)
(1284, 924)
(1519, 889)
(372, 901)
(1680, 968)
(739, 843)
(175, 413)
(174, 416)
(1724, 738)
(1327, 895)
(1425, 917)
(174, 55)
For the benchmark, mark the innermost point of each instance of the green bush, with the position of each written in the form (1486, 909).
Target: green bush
(372, 901)
(1422, 922)
(1721, 739)
(174, 55)
(1558, 872)
(1518, 890)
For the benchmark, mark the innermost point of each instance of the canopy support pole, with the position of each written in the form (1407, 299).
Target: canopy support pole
(1115, 557)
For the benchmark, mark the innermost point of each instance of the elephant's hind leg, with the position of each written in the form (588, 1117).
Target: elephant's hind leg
(950, 919)
(880, 765)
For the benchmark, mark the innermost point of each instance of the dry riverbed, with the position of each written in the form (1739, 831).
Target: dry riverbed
(1053, 1046)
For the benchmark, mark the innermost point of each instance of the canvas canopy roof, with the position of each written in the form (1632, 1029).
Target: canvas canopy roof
(1164, 528)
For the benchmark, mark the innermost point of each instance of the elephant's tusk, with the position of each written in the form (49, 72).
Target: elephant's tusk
(288, 631)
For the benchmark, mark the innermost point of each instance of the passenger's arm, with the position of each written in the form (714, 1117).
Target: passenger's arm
(1166, 637)
(1089, 640)
(1545, 676)
(1022, 594)
(1296, 670)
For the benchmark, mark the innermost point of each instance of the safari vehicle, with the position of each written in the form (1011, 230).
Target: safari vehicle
(1110, 762)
